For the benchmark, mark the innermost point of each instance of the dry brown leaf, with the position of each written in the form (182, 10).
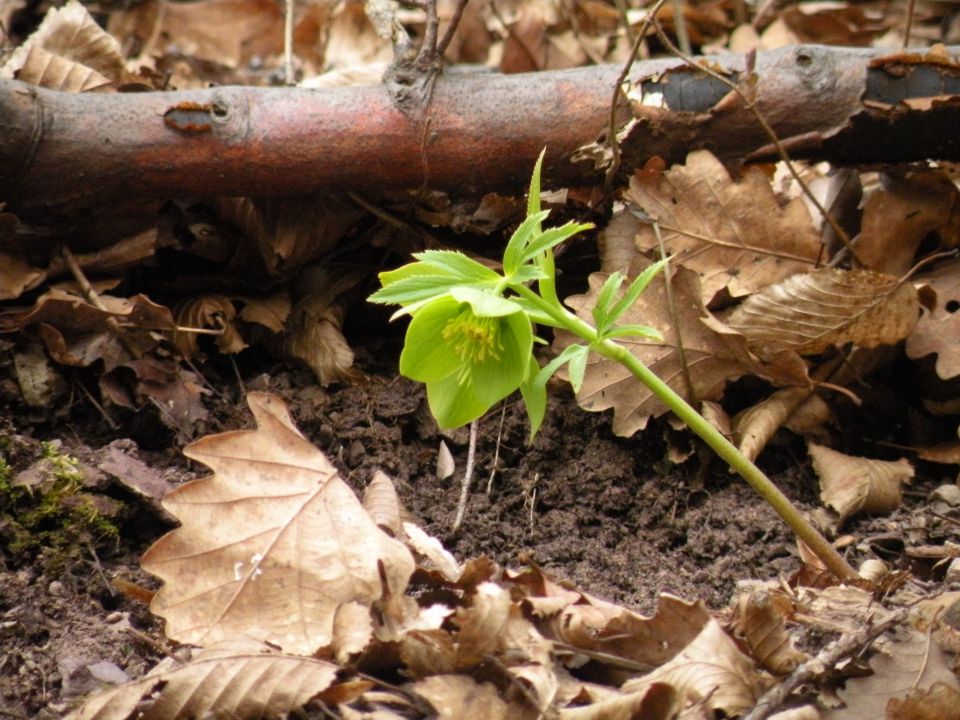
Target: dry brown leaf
(810, 312)
(938, 702)
(899, 667)
(659, 701)
(851, 485)
(206, 312)
(755, 426)
(271, 312)
(69, 52)
(762, 627)
(225, 32)
(735, 235)
(382, 503)
(17, 276)
(271, 545)
(314, 336)
(588, 623)
(710, 670)
(291, 232)
(899, 215)
(432, 549)
(216, 683)
(608, 384)
(456, 697)
(939, 325)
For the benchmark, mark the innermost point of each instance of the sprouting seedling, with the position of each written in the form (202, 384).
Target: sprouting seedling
(471, 337)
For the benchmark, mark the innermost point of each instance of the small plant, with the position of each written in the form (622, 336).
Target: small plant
(471, 336)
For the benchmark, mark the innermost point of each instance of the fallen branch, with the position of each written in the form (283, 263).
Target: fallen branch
(481, 132)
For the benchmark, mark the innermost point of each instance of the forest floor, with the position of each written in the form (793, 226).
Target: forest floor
(610, 515)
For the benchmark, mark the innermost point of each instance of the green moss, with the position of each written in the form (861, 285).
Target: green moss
(55, 518)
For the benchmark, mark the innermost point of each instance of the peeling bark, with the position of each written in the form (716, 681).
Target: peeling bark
(481, 131)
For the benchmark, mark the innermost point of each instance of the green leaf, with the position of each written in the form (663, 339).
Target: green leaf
(638, 285)
(425, 357)
(485, 304)
(551, 238)
(458, 265)
(533, 200)
(413, 289)
(534, 398)
(578, 367)
(528, 230)
(547, 371)
(642, 331)
(601, 309)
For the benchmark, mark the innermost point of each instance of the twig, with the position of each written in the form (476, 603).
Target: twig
(99, 569)
(618, 93)
(289, 7)
(674, 317)
(94, 299)
(909, 23)
(93, 401)
(774, 139)
(158, 647)
(452, 27)
(680, 25)
(467, 477)
(828, 658)
(496, 450)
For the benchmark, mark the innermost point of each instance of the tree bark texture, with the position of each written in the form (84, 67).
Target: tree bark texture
(481, 132)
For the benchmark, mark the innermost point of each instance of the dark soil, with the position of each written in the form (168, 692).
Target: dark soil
(608, 514)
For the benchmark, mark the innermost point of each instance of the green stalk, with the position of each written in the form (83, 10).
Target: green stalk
(754, 476)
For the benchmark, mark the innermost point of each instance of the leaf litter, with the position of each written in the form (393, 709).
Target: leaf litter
(469, 638)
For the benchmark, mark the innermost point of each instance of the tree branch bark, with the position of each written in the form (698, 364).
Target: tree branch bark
(481, 132)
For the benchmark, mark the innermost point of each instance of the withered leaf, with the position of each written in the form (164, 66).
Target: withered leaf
(710, 363)
(809, 312)
(734, 234)
(271, 545)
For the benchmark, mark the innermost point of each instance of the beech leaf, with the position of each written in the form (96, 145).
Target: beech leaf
(811, 312)
(216, 683)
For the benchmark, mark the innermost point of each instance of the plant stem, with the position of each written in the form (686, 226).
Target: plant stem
(754, 476)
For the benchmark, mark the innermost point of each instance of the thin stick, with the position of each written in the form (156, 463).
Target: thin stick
(451, 28)
(828, 658)
(289, 7)
(94, 299)
(496, 451)
(909, 24)
(618, 93)
(667, 276)
(467, 477)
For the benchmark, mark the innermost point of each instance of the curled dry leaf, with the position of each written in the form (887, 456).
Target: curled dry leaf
(756, 425)
(811, 312)
(853, 484)
(762, 627)
(216, 683)
(735, 235)
(69, 52)
(710, 670)
(206, 312)
(709, 360)
(271, 545)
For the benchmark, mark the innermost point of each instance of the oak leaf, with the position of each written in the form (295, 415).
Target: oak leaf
(272, 545)
(706, 366)
(734, 234)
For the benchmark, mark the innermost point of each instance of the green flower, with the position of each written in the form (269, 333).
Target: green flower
(471, 348)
